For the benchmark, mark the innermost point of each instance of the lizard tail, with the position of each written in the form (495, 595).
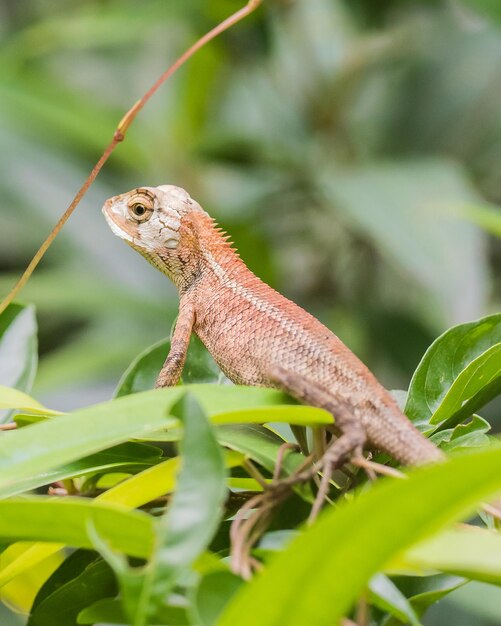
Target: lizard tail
(392, 431)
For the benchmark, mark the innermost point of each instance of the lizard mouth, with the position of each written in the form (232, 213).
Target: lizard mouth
(116, 228)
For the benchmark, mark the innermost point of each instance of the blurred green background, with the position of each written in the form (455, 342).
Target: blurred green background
(351, 148)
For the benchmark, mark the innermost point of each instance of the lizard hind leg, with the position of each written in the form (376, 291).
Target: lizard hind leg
(350, 443)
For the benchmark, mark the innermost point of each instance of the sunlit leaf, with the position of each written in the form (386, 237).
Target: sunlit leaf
(13, 399)
(21, 592)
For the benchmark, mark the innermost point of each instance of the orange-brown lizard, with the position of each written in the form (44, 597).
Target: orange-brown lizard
(256, 335)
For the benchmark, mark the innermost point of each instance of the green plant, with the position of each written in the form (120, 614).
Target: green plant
(151, 479)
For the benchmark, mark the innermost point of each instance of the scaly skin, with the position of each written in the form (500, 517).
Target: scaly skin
(256, 335)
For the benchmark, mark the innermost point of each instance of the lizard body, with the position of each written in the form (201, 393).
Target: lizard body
(256, 335)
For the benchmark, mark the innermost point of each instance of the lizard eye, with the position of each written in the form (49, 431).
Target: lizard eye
(140, 210)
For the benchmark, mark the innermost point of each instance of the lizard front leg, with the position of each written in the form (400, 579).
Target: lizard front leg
(172, 368)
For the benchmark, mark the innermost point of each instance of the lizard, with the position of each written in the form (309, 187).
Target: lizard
(256, 335)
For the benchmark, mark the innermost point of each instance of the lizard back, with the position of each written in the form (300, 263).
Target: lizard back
(249, 328)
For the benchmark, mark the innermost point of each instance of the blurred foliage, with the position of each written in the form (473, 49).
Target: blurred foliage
(340, 144)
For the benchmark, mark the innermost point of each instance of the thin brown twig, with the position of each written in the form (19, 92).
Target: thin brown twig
(319, 442)
(494, 510)
(321, 496)
(280, 458)
(362, 613)
(254, 473)
(239, 534)
(119, 136)
(377, 468)
(9, 426)
(57, 491)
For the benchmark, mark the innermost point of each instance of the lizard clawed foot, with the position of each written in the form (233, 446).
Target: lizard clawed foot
(349, 447)
(254, 517)
(372, 468)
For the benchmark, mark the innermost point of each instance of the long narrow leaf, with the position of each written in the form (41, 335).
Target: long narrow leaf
(65, 521)
(49, 444)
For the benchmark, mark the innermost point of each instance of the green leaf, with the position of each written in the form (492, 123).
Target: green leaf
(22, 557)
(478, 602)
(189, 524)
(13, 399)
(110, 611)
(200, 367)
(213, 593)
(424, 503)
(459, 373)
(387, 597)
(196, 508)
(260, 444)
(131, 493)
(143, 371)
(126, 457)
(469, 435)
(145, 486)
(40, 518)
(67, 600)
(423, 591)
(107, 610)
(473, 553)
(478, 383)
(70, 568)
(136, 491)
(47, 445)
(21, 593)
(299, 415)
(18, 346)
(486, 216)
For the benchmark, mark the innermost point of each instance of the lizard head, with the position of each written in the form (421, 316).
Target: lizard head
(155, 221)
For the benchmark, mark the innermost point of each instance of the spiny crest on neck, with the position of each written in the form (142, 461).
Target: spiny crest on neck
(215, 237)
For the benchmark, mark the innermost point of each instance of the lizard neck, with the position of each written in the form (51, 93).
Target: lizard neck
(205, 250)
(217, 253)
